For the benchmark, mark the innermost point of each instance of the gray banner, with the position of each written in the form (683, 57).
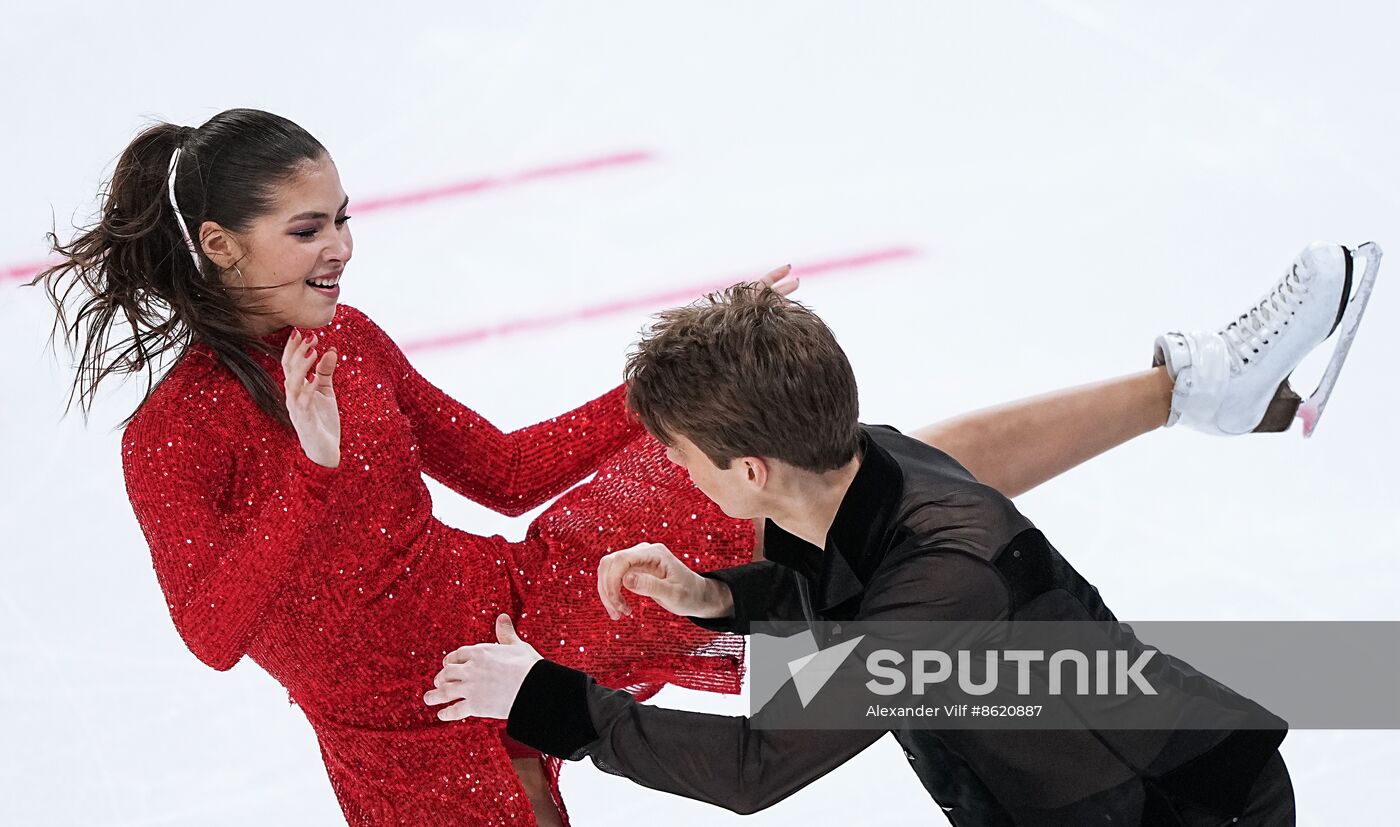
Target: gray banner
(1160, 675)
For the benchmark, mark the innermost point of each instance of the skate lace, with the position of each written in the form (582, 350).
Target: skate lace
(1254, 331)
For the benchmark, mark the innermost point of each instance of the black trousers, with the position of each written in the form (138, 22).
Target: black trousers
(1270, 803)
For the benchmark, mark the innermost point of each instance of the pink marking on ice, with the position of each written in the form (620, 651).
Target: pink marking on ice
(815, 269)
(23, 271)
(458, 188)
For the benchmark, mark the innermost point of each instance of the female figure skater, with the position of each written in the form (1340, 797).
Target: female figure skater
(277, 476)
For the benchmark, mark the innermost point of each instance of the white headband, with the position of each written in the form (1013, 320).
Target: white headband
(179, 219)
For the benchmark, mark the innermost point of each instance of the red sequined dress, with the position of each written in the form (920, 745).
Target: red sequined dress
(345, 588)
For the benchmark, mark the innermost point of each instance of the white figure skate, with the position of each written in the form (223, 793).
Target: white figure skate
(1235, 380)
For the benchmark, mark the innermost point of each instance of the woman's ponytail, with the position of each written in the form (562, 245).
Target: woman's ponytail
(140, 267)
(112, 271)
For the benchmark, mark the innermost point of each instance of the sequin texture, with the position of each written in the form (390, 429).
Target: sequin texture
(344, 587)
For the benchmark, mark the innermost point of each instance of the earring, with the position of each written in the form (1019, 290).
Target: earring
(242, 284)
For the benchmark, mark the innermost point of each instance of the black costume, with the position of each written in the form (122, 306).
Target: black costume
(917, 538)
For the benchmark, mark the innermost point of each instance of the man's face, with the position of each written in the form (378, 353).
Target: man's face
(737, 490)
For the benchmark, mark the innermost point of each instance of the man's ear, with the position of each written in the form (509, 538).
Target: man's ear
(220, 245)
(756, 470)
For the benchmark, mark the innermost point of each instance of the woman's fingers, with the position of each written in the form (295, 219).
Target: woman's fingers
(785, 286)
(325, 369)
(772, 277)
(289, 351)
(293, 341)
(296, 365)
(781, 280)
(305, 357)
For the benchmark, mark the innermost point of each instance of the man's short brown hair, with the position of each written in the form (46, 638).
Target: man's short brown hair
(746, 372)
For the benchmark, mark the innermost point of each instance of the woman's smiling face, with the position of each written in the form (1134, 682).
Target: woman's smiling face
(290, 261)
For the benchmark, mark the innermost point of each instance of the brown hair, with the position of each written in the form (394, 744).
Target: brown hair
(133, 265)
(746, 372)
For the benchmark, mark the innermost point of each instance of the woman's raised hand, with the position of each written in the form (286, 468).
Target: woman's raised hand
(311, 401)
(781, 280)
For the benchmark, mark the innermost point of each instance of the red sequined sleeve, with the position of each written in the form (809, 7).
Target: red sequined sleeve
(507, 472)
(513, 472)
(219, 563)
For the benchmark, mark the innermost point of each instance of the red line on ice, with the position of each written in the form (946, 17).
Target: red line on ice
(22, 271)
(808, 271)
(413, 198)
(453, 190)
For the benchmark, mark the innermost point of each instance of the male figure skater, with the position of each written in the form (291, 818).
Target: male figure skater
(753, 396)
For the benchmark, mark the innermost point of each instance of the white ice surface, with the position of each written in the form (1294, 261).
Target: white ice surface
(1076, 175)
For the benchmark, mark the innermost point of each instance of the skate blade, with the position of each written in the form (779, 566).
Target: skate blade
(1311, 410)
